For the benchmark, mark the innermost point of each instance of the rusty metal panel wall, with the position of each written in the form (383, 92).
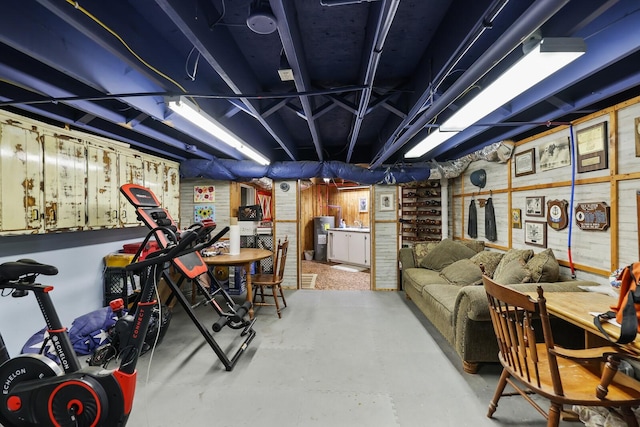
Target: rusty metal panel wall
(102, 187)
(20, 179)
(171, 189)
(64, 182)
(131, 171)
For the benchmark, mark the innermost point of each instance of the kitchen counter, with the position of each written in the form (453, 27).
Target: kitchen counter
(352, 229)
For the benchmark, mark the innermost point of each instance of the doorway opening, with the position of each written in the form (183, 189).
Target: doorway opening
(335, 244)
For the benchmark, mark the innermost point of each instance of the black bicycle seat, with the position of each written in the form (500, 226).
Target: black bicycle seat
(13, 270)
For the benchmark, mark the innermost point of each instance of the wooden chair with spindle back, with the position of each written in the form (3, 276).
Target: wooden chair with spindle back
(586, 377)
(260, 281)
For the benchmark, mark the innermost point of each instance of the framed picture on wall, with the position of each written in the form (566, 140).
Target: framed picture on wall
(386, 202)
(363, 205)
(535, 233)
(535, 206)
(554, 154)
(525, 162)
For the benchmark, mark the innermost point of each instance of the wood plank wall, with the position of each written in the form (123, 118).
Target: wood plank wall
(349, 201)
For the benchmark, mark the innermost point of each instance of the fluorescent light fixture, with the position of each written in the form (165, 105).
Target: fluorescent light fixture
(357, 187)
(207, 123)
(549, 56)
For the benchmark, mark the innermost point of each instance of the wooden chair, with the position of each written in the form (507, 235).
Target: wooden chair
(586, 377)
(272, 280)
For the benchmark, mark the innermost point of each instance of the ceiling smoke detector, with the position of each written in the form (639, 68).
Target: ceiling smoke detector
(261, 19)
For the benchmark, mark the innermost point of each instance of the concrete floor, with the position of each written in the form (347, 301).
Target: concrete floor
(336, 358)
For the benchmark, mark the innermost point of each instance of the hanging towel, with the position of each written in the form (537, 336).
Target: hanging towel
(472, 226)
(490, 222)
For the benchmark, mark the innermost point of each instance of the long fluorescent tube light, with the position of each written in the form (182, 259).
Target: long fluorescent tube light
(357, 187)
(549, 56)
(207, 123)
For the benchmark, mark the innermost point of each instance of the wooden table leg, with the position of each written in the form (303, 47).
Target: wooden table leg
(247, 269)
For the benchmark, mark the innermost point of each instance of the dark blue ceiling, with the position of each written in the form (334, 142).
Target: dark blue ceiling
(370, 76)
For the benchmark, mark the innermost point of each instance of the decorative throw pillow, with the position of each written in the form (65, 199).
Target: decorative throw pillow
(476, 245)
(513, 272)
(543, 267)
(489, 259)
(523, 254)
(462, 273)
(420, 250)
(444, 253)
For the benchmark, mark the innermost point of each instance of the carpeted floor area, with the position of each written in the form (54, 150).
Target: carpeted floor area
(335, 279)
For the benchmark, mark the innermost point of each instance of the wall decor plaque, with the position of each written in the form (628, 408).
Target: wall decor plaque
(516, 218)
(593, 148)
(592, 216)
(557, 216)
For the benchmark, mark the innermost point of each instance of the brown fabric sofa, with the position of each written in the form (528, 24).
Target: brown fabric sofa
(459, 310)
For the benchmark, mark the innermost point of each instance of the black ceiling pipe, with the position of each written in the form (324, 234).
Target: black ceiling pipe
(376, 39)
(343, 2)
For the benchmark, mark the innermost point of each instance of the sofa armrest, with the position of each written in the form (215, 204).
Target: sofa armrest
(406, 258)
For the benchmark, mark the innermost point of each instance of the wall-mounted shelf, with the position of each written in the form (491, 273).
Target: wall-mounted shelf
(421, 212)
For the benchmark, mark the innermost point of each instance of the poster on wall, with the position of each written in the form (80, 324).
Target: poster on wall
(554, 154)
(264, 199)
(204, 212)
(204, 194)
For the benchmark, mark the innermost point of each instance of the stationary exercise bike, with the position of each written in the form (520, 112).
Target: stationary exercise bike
(35, 391)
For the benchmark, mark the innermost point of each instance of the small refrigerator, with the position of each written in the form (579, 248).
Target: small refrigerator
(320, 235)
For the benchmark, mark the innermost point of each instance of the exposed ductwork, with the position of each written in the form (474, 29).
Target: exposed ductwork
(234, 170)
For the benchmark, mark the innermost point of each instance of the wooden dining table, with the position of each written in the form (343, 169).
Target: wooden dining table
(245, 258)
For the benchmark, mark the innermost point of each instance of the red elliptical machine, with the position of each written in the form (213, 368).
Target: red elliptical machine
(35, 391)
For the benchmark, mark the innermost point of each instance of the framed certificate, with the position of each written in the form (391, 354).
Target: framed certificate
(525, 162)
(592, 148)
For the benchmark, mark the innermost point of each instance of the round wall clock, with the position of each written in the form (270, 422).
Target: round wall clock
(284, 186)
